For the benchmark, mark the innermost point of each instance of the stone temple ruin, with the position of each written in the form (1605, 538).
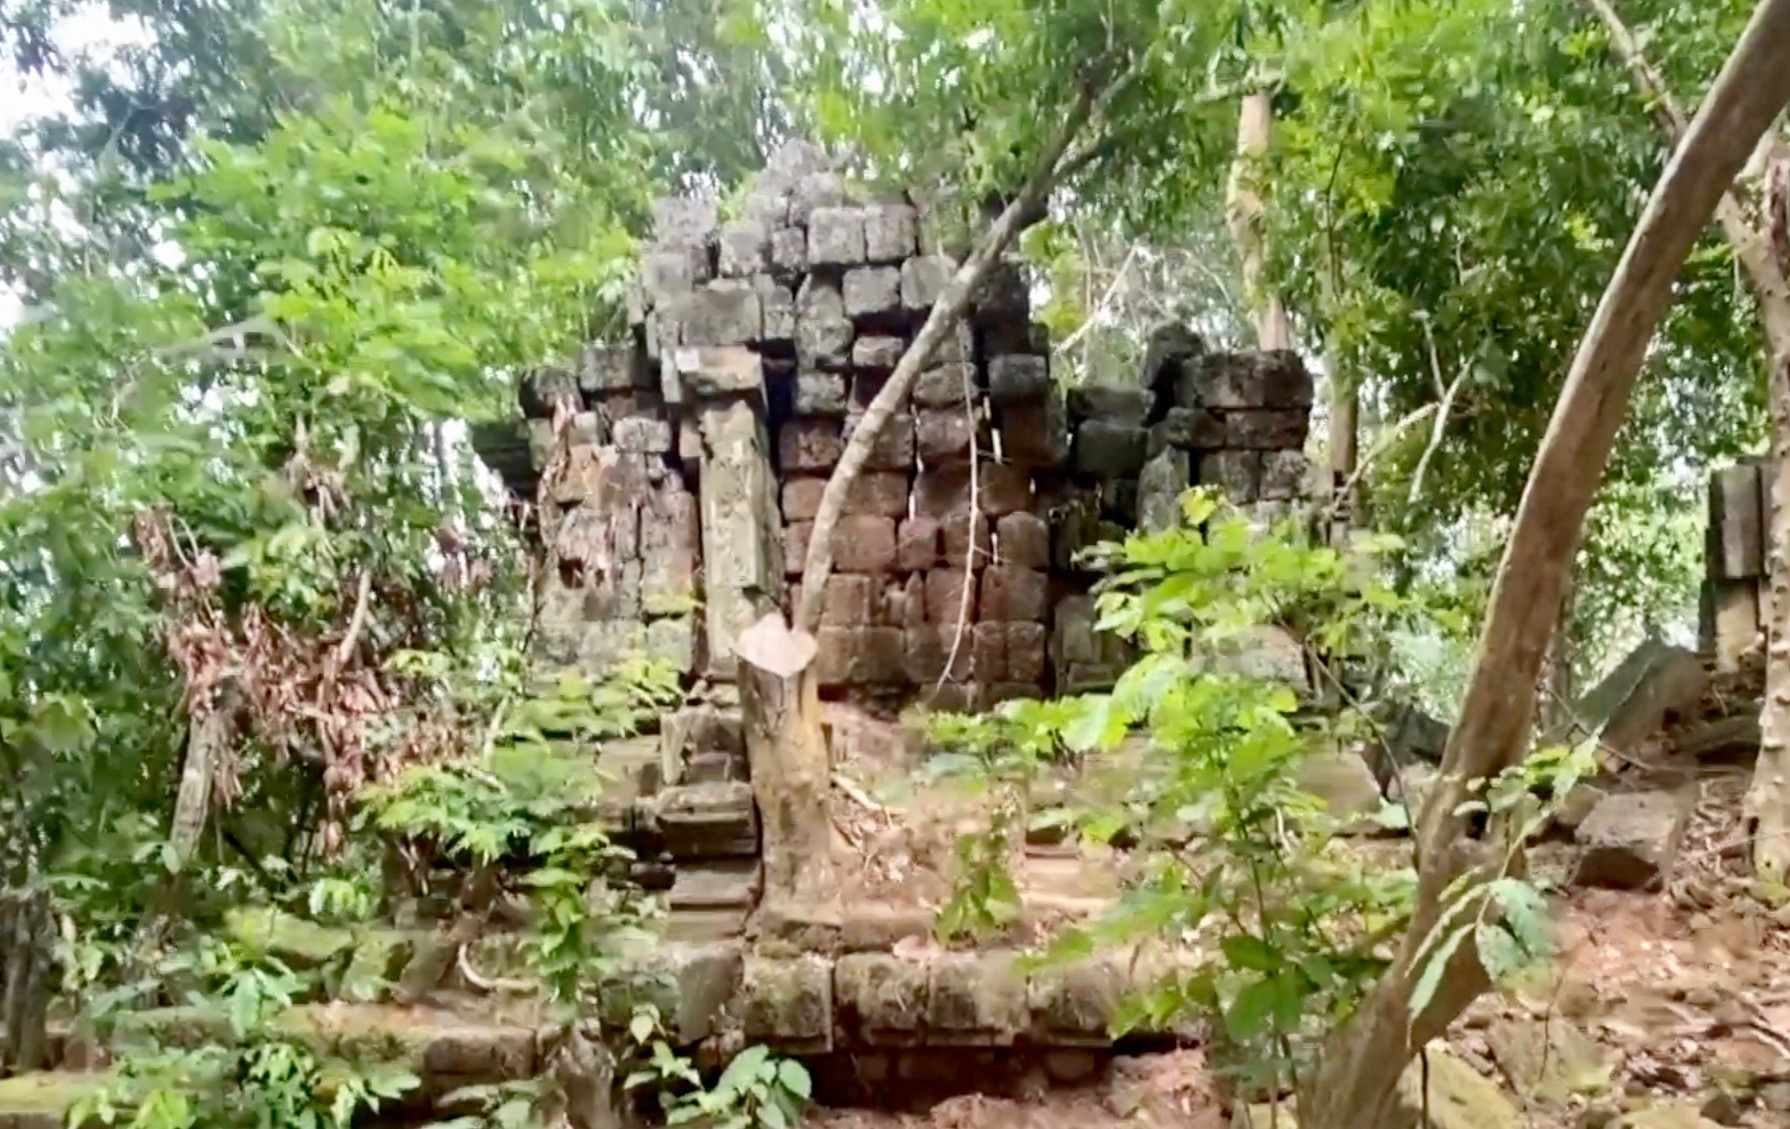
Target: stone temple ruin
(677, 491)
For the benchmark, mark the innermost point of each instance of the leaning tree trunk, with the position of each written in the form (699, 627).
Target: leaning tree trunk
(1247, 217)
(27, 934)
(1358, 1074)
(1759, 244)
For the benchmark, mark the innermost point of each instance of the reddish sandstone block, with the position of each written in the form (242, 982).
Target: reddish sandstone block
(1002, 488)
(889, 604)
(917, 543)
(809, 444)
(795, 546)
(944, 594)
(942, 491)
(1025, 651)
(943, 436)
(989, 655)
(1022, 541)
(1017, 594)
(881, 656)
(864, 543)
(883, 494)
(801, 498)
(924, 655)
(913, 601)
(846, 602)
(1010, 691)
(836, 650)
(960, 549)
(894, 446)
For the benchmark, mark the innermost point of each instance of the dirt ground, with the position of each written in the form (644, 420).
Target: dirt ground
(1676, 999)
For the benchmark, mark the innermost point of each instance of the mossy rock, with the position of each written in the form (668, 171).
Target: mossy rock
(41, 1100)
(301, 944)
(1548, 1059)
(1459, 1097)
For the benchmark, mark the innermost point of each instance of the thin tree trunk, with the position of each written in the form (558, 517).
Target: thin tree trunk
(1345, 451)
(1247, 217)
(1763, 266)
(790, 767)
(1356, 1080)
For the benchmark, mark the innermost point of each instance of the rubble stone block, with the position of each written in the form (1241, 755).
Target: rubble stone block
(923, 656)
(612, 368)
(1283, 475)
(881, 493)
(894, 446)
(1018, 376)
(988, 652)
(809, 444)
(789, 1003)
(923, 280)
(1020, 594)
(1110, 402)
(835, 237)
(671, 272)
(1073, 639)
(943, 436)
(543, 388)
(1035, 434)
(846, 602)
(789, 251)
(882, 656)
(744, 247)
(641, 435)
(872, 293)
(1022, 541)
(739, 525)
(1026, 652)
(817, 189)
(864, 544)
(884, 995)
(1076, 1003)
(1285, 381)
(917, 543)
(944, 593)
(720, 370)
(819, 298)
(1266, 430)
(1237, 474)
(888, 232)
(1159, 488)
(1104, 449)
(700, 821)
(945, 386)
(836, 652)
(681, 221)
(1630, 839)
(721, 315)
(966, 540)
(1002, 488)
(820, 394)
(779, 307)
(824, 342)
(1189, 429)
(976, 998)
(801, 498)
(882, 353)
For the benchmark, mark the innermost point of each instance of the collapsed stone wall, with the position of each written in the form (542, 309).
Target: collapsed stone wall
(679, 472)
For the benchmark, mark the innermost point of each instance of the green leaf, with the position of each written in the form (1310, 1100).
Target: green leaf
(1253, 953)
(1431, 978)
(1499, 953)
(793, 1076)
(1252, 1009)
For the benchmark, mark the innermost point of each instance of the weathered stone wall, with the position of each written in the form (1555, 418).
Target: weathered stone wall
(1735, 595)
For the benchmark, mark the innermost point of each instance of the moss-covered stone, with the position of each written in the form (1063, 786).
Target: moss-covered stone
(789, 1003)
(302, 944)
(1548, 1059)
(1458, 1097)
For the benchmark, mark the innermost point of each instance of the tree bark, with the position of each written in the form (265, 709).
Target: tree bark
(1247, 218)
(1764, 267)
(790, 765)
(1345, 450)
(1357, 1077)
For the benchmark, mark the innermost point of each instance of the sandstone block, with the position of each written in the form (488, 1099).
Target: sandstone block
(944, 594)
(945, 386)
(835, 237)
(1345, 783)
(612, 368)
(824, 341)
(820, 394)
(864, 544)
(673, 640)
(975, 998)
(878, 493)
(818, 188)
(872, 293)
(720, 370)
(701, 821)
(877, 353)
(1025, 651)
(1035, 433)
(1001, 297)
(1018, 376)
(1002, 488)
(1631, 839)
(819, 298)
(1109, 402)
(1190, 429)
(1076, 1003)
(789, 251)
(744, 249)
(1266, 430)
(795, 546)
(1237, 474)
(543, 388)
(779, 306)
(943, 436)
(882, 656)
(641, 435)
(846, 601)
(789, 1003)
(1159, 488)
(683, 220)
(988, 652)
(809, 445)
(718, 315)
(994, 695)
(966, 542)
(942, 491)
(888, 232)
(1104, 449)
(1022, 540)
(894, 446)
(1019, 594)
(917, 543)
(801, 498)
(923, 280)
(1283, 475)
(667, 273)
(884, 995)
